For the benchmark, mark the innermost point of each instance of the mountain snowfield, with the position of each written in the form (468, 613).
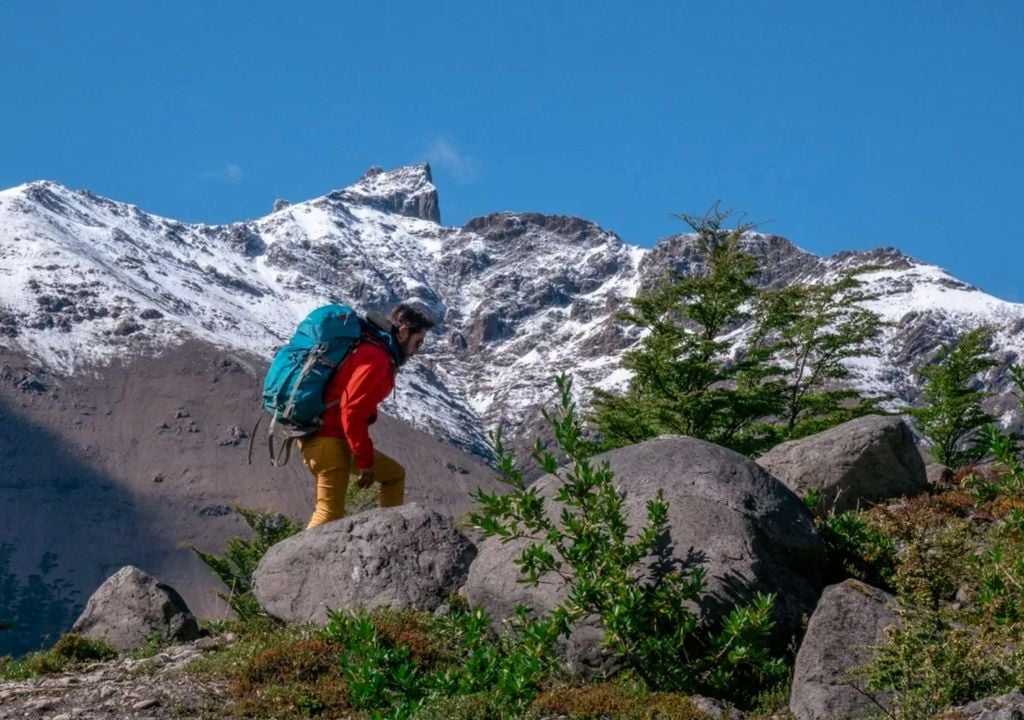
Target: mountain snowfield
(85, 280)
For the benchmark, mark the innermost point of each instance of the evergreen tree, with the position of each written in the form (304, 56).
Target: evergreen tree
(784, 381)
(684, 380)
(950, 415)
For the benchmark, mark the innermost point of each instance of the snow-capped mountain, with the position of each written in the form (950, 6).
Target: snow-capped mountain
(85, 280)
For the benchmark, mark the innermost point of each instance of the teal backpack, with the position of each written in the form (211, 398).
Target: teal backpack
(293, 390)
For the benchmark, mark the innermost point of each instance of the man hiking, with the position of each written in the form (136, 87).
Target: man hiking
(343, 445)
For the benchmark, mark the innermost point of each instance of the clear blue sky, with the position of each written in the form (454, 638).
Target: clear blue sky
(848, 125)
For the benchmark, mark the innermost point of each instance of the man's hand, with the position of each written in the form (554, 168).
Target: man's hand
(365, 478)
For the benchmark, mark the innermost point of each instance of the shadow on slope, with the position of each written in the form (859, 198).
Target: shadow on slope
(125, 463)
(67, 526)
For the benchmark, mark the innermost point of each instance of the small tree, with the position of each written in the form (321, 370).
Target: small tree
(684, 381)
(824, 325)
(237, 564)
(950, 415)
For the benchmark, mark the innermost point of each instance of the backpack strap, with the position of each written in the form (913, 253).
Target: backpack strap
(252, 438)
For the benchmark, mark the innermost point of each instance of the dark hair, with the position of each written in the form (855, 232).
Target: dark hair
(411, 316)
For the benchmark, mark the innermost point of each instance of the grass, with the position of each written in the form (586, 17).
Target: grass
(70, 652)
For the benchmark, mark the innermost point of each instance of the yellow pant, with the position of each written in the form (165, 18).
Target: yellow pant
(330, 461)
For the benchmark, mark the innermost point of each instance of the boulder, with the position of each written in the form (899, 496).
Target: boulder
(402, 557)
(133, 606)
(867, 460)
(726, 514)
(1003, 707)
(847, 625)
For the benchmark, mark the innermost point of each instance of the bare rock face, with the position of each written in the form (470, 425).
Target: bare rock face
(847, 625)
(868, 459)
(743, 527)
(403, 557)
(131, 606)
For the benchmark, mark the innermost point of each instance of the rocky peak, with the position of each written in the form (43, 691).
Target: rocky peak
(782, 262)
(408, 191)
(508, 228)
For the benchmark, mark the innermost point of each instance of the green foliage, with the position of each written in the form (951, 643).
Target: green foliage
(930, 663)
(237, 564)
(70, 650)
(1006, 448)
(479, 706)
(79, 649)
(950, 415)
(960, 583)
(854, 548)
(683, 382)
(388, 677)
(589, 547)
(686, 378)
(822, 326)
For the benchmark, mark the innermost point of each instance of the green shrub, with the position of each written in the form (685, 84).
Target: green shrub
(589, 547)
(930, 663)
(237, 564)
(80, 649)
(854, 548)
(70, 650)
(399, 662)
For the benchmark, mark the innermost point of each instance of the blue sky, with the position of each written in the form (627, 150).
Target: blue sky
(842, 125)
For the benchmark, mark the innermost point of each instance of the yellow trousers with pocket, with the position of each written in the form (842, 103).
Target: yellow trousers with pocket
(330, 460)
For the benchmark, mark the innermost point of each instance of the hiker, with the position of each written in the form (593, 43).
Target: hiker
(343, 445)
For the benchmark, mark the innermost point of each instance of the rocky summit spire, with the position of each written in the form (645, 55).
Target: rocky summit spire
(406, 190)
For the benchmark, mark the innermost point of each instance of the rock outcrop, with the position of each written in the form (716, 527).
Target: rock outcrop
(404, 557)
(847, 625)
(727, 515)
(858, 463)
(131, 607)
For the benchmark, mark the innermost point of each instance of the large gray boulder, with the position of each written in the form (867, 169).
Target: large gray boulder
(863, 461)
(726, 514)
(131, 607)
(403, 557)
(842, 635)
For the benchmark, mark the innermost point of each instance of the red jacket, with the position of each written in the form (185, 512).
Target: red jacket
(364, 379)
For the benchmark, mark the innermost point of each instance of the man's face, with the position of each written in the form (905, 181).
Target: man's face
(410, 342)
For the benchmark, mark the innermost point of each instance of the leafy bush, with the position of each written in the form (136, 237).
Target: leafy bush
(854, 548)
(930, 663)
(78, 648)
(237, 564)
(960, 579)
(399, 663)
(647, 624)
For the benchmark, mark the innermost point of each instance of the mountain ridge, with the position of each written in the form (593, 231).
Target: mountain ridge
(519, 295)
